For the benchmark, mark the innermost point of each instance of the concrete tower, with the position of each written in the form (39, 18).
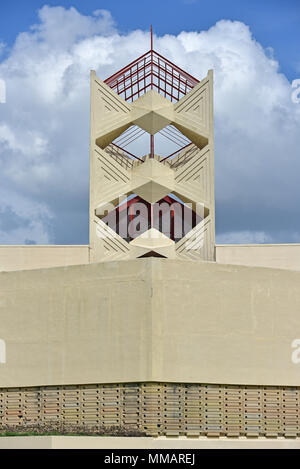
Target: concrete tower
(147, 204)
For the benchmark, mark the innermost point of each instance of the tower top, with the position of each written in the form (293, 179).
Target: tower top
(151, 71)
(159, 202)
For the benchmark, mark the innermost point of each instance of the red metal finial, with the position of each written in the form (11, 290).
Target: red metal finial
(151, 136)
(151, 57)
(151, 37)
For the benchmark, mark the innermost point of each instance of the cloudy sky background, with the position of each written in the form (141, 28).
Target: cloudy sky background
(44, 126)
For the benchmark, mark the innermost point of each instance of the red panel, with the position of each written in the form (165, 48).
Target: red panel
(127, 211)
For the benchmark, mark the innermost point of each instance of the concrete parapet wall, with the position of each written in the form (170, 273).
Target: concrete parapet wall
(150, 320)
(14, 258)
(276, 256)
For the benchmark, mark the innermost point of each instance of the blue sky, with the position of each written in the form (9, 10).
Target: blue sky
(46, 53)
(274, 23)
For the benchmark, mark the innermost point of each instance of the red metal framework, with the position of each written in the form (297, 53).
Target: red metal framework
(152, 71)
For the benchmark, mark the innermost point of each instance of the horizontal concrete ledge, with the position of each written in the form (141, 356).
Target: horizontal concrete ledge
(110, 443)
(260, 245)
(277, 256)
(43, 246)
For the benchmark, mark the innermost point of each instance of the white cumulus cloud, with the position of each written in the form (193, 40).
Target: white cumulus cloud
(44, 126)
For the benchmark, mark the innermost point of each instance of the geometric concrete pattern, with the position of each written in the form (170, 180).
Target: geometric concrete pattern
(161, 408)
(188, 176)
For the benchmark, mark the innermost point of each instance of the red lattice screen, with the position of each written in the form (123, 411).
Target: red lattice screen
(151, 71)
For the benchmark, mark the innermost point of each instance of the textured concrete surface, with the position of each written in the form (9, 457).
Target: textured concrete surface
(150, 320)
(111, 443)
(14, 258)
(278, 256)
